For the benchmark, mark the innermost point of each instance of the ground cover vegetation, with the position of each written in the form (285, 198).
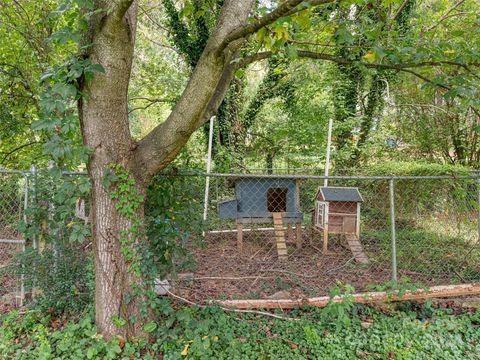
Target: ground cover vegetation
(339, 332)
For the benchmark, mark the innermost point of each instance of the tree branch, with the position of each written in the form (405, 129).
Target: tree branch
(343, 61)
(286, 8)
(400, 9)
(444, 16)
(7, 154)
(151, 102)
(200, 99)
(121, 8)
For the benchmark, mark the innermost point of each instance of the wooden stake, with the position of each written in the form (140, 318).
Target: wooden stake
(362, 298)
(240, 237)
(325, 239)
(290, 232)
(298, 230)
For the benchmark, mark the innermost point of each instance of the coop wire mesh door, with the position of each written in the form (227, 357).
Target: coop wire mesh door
(321, 212)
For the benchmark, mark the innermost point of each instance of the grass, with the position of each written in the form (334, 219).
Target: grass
(189, 333)
(419, 250)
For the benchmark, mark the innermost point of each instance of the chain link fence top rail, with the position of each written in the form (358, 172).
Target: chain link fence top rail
(241, 252)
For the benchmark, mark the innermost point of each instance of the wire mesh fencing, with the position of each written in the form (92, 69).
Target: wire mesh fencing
(43, 234)
(264, 236)
(13, 200)
(293, 237)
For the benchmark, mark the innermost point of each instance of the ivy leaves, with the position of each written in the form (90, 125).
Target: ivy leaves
(58, 119)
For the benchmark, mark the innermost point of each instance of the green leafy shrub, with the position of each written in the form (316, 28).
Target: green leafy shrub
(61, 277)
(174, 220)
(59, 269)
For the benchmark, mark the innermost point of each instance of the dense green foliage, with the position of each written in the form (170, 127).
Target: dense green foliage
(190, 333)
(282, 104)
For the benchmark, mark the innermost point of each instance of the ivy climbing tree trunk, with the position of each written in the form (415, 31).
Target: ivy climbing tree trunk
(105, 129)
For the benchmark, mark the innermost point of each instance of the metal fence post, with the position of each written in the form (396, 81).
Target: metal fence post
(394, 235)
(478, 210)
(25, 205)
(33, 171)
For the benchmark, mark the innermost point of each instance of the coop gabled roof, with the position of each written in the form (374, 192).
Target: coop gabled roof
(340, 194)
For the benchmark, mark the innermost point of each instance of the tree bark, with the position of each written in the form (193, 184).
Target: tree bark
(105, 130)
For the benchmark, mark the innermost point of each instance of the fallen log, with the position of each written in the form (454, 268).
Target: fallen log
(362, 298)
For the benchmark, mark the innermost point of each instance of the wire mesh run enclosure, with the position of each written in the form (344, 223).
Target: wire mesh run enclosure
(420, 230)
(432, 238)
(13, 199)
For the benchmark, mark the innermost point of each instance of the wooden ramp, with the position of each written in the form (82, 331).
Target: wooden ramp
(279, 235)
(357, 249)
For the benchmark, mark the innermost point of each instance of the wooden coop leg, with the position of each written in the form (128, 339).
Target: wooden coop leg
(298, 230)
(290, 232)
(240, 237)
(279, 235)
(325, 239)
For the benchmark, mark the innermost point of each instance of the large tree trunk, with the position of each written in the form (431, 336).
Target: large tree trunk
(105, 130)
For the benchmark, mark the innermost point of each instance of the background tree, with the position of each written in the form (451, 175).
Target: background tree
(25, 53)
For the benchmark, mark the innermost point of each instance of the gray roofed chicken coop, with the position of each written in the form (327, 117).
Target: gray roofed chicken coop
(337, 211)
(257, 198)
(265, 200)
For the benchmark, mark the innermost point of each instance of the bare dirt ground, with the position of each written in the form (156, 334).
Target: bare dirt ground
(223, 273)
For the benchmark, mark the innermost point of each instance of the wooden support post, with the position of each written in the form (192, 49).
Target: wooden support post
(325, 227)
(290, 232)
(298, 230)
(240, 237)
(357, 224)
(325, 239)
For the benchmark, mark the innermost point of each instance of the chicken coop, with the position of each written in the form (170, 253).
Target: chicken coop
(265, 200)
(337, 211)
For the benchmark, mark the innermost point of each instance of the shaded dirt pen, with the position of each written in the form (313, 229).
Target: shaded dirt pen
(221, 272)
(436, 241)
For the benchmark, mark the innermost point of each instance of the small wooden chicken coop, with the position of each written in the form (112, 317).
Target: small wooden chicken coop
(263, 200)
(337, 211)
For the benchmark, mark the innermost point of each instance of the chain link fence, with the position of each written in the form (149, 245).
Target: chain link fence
(381, 231)
(13, 201)
(288, 236)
